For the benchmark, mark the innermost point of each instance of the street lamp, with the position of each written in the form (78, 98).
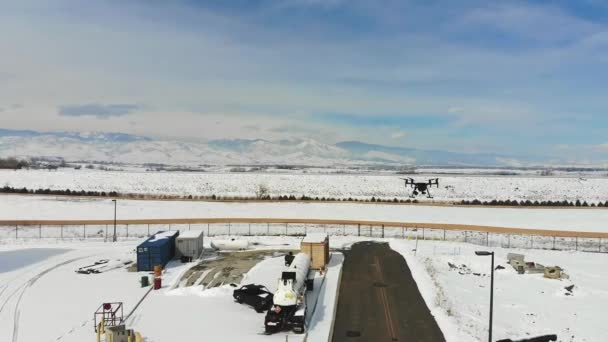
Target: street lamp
(114, 237)
(485, 253)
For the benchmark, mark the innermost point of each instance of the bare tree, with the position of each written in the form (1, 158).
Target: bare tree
(262, 191)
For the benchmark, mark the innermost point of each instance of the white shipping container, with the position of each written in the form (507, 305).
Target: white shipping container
(190, 244)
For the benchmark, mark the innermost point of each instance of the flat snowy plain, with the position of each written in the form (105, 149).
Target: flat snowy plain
(452, 188)
(16, 207)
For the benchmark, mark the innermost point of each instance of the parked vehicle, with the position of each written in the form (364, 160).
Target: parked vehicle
(289, 304)
(256, 296)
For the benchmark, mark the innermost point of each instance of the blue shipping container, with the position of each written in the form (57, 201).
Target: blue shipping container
(159, 249)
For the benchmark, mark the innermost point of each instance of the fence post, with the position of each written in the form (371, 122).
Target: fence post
(487, 239)
(403, 232)
(383, 231)
(576, 243)
(509, 241)
(148, 230)
(207, 229)
(228, 228)
(443, 234)
(250, 229)
(127, 230)
(599, 249)
(286, 228)
(465, 236)
(554, 243)
(40, 231)
(106, 237)
(267, 228)
(188, 226)
(423, 237)
(531, 241)
(61, 232)
(16, 231)
(305, 229)
(84, 231)
(359, 229)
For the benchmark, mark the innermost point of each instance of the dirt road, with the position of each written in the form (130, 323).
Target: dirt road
(379, 300)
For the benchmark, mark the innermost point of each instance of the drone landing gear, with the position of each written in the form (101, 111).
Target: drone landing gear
(428, 194)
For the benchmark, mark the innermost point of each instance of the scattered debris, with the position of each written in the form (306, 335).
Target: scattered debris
(532, 267)
(553, 272)
(521, 266)
(462, 269)
(103, 266)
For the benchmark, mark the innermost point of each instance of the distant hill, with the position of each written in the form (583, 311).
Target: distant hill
(133, 149)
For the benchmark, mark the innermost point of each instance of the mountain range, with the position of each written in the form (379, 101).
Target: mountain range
(134, 149)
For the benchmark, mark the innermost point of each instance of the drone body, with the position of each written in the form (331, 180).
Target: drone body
(421, 187)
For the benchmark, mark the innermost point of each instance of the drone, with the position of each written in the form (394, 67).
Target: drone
(420, 187)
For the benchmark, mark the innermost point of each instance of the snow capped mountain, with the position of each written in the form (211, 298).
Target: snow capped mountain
(133, 149)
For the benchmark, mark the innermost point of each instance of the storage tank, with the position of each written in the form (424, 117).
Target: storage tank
(229, 245)
(291, 285)
(288, 309)
(159, 249)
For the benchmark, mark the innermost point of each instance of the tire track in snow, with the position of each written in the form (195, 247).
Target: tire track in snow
(24, 287)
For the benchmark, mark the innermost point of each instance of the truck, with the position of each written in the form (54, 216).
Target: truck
(288, 310)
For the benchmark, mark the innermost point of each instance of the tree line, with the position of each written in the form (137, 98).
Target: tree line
(266, 197)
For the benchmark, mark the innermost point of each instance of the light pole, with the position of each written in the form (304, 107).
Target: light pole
(114, 237)
(485, 253)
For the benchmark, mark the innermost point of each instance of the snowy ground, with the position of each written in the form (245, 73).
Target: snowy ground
(524, 305)
(453, 187)
(43, 299)
(15, 207)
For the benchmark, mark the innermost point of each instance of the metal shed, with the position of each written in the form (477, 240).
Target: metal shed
(316, 245)
(159, 249)
(190, 244)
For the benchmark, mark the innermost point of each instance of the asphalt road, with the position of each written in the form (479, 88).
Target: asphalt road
(379, 300)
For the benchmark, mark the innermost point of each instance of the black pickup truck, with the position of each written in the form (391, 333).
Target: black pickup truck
(256, 296)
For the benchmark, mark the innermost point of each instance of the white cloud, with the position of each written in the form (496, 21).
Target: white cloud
(398, 135)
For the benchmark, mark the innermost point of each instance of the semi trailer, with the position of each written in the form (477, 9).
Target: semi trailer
(288, 311)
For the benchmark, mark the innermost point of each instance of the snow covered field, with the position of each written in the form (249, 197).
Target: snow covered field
(14, 207)
(43, 299)
(452, 188)
(524, 305)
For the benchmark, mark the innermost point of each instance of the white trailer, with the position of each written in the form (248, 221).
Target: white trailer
(289, 302)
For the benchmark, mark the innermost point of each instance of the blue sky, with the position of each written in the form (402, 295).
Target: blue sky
(511, 77)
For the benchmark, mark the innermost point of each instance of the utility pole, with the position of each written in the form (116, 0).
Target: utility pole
(114, 237)
(485, 253)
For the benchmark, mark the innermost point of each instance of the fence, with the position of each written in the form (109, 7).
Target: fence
(138, 229)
